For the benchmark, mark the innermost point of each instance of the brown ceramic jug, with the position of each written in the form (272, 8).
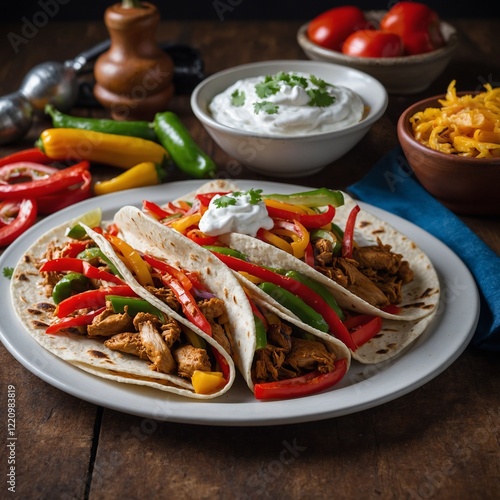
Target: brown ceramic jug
(134, 77)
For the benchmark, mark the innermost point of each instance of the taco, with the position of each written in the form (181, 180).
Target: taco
(78, 300)
(370, 268)
(277, 353)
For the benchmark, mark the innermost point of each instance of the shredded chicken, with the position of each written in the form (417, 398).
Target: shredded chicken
(109, 323)
(189, 359)
(128, 342)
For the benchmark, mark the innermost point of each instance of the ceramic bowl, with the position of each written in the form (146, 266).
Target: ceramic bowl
(403, 75)
(289, 156)
(468, 186)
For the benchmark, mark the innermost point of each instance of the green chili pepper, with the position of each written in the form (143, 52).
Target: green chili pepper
(134, 305)
(226, 251)
(315, 198)
(141, 129)
(261, 334)
(296, 305)
(184, 151)
(95, 253)
(69, 283)
(319, 289)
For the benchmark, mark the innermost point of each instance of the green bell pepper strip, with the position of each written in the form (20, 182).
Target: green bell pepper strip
(315, 198)
(319, 289)
(183, 149)
(69, 284)
(289, 300)
(336, 327)
(133, 305)
(141, 129)
(261, 334)
(305, 385)
(226, 251)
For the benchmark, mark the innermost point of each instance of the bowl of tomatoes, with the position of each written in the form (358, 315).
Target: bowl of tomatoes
(406, 48)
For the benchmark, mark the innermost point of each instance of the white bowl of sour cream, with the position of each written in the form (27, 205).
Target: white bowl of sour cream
(288, 118)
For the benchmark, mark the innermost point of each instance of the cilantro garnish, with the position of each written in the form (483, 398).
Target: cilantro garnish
(319, 98)
(269, 86)
(319, 82)
(8, 272)
(230, 199)
(266, 106)
(238, 98)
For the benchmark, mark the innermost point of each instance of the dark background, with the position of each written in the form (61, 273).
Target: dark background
(226, 9)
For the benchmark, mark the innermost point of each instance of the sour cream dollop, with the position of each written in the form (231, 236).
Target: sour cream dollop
(236, 213)
(287, 104)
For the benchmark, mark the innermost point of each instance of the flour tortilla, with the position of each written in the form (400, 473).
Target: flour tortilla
(149, 236)
(28, 299)
(420, 297)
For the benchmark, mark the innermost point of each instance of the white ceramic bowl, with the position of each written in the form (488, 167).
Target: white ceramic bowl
(403, 75)
(285, 156)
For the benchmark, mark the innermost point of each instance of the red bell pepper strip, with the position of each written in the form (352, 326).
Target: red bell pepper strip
(206, 198)
(348, 240)
(309, 221)
(363, 327)
(16, 216)
(91, 299)
(72, 321)
(310, 297)
(46, 185)
(51, 203)
(309, 255)
(32, 154)
(308, 384)
(155, 210)
(392, 309)
(163, 267)
(69, 264)
(73, 248)
(201, 238)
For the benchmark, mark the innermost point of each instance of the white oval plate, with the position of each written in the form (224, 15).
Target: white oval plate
(363, 387)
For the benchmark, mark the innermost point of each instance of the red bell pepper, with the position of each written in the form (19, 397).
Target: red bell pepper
(310, 297)
(363, 327)
(200, 237)
(206, 198)
(73, 248)
(80, 191)
(348, 240)
(16, 216)
(31, 155)
(309, 221)
(73, 321)
(49, 184)
(308, 384)
(91, 299)
(69, 264)
(155, 210)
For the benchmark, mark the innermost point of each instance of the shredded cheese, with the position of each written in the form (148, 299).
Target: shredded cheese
(468, 125)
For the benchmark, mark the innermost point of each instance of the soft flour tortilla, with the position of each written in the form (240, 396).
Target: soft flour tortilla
(32, 308)
(420, 297)
(149, 236)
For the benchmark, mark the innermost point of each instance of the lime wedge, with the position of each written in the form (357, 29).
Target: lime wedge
(92, 218)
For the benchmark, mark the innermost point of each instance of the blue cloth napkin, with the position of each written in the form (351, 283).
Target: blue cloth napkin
(392, 186)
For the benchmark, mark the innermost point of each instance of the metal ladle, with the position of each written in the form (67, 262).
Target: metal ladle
(49, 82)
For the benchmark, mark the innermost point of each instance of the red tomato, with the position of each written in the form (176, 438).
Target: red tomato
(417, 24)
(332, 27)
(373, 43)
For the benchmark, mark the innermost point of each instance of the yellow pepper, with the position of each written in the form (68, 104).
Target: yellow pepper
(286, 206)
(110, 149)
(277, 241)
(146, 173)
(132, 260)
(207, 382)
(185, 222)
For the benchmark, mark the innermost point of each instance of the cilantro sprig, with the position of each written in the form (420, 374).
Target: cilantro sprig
(266, 106)
(238, 98)
(230, 199)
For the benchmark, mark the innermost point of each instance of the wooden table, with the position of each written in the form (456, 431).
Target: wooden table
(439, 441)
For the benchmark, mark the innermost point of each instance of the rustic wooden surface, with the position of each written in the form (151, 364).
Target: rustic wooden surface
(440, 441)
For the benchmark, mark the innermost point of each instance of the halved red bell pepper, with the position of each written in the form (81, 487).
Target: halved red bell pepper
(308, 384)
(310, 297)
(42, 186)
(91, 299)
(16, 216)
(348, 240)
(310, 221)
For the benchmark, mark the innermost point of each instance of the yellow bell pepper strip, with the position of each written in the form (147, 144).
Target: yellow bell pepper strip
(274, 239)
(183, 223)
(281, 205)
(298, 233)
(145, 173)
(207, 382)
(110, 149)
(132, 259)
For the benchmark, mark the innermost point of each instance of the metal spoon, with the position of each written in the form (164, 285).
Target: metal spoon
(49, 82)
